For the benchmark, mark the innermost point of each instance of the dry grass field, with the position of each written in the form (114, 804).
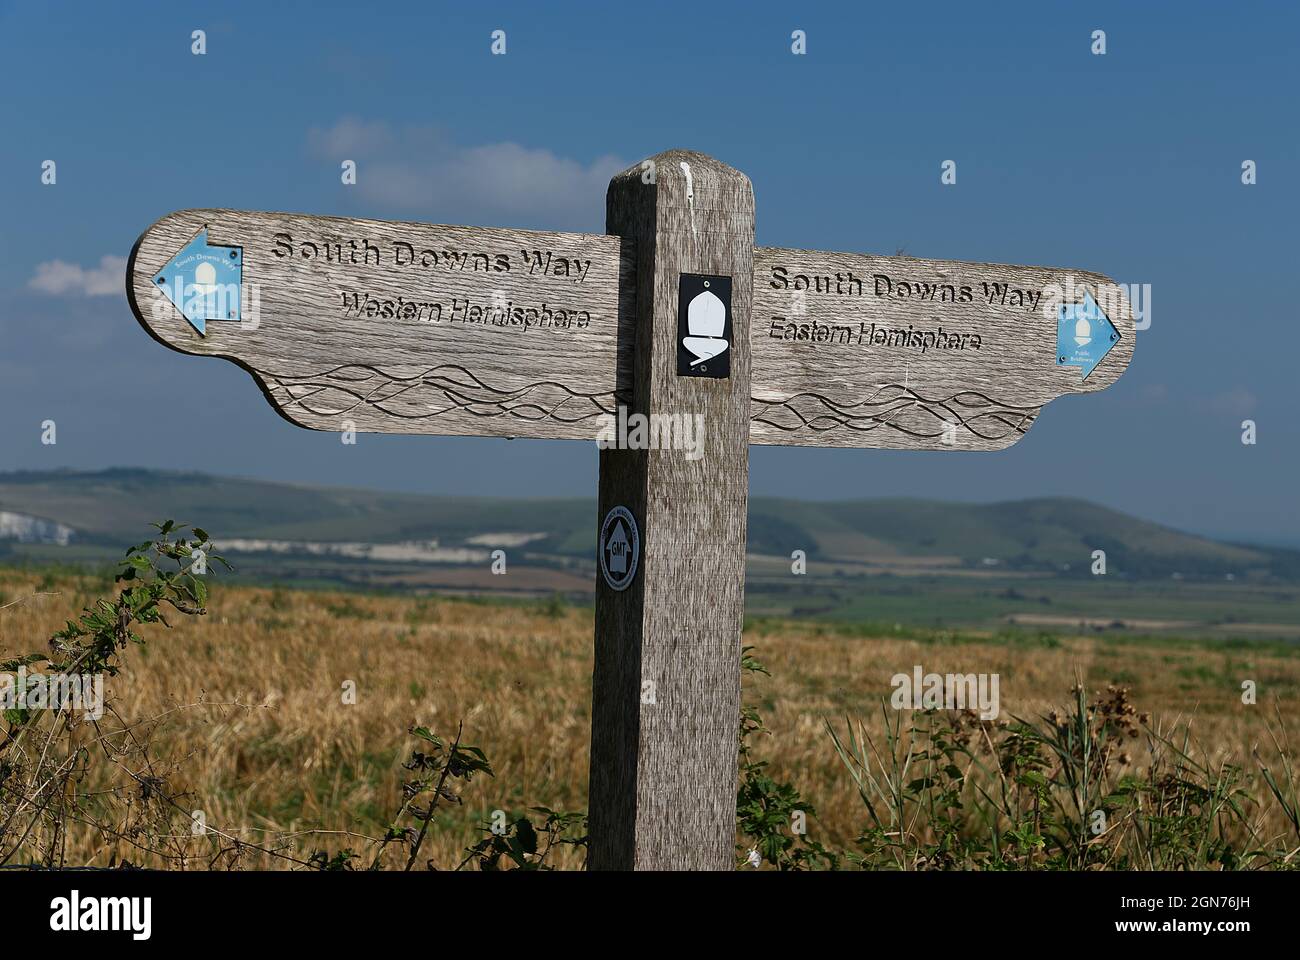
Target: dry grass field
(244, 709)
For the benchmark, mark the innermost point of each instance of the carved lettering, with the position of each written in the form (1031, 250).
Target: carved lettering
(503, 313)
(871, 335)
(367, 251)
(843, 283)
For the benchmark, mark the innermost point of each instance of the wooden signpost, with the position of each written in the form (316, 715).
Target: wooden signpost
(673, 317)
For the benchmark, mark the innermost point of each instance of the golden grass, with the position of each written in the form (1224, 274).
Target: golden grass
(251, 700)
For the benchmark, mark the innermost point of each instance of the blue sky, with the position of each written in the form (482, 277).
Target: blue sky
(1128, 164)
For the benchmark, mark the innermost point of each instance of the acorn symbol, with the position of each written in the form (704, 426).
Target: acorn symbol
(1082, 331)
(706, 318)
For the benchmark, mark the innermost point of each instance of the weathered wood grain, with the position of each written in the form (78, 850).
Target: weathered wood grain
(663, 773)
(326, 362)
(965, 358)
(835, 387)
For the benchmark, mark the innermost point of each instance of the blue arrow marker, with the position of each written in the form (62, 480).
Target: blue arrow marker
(1084, 335)
(204, 281)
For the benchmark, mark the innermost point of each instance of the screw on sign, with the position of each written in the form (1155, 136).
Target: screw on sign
(428, 329)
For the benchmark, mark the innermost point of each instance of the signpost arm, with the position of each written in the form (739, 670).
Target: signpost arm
(373, 325)
(666, 683)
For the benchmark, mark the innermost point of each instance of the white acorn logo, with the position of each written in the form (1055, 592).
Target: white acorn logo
(706, 318)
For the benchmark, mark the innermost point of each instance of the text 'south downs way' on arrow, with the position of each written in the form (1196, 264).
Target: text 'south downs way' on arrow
(204, 281)
(390, 327)
(854, 350)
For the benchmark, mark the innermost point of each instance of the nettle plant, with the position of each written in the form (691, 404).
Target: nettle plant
(767, 810)
(1092, 786)
(435, 769)
(46, 751)
(47, 755)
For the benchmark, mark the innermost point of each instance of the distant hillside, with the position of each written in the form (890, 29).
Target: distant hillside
(1049, 533)
(111, 508)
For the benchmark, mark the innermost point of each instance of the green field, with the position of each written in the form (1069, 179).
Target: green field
(1024, 566)
(1246, 610)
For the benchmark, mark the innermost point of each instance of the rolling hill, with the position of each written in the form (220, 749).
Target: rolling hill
(110, 508)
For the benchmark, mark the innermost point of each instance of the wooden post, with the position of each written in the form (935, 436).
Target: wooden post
(352, 324)
(666, 684)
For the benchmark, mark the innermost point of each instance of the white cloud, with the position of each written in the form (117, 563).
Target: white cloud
(1236, 402)
(349, 138)
(60, 278)
(418, 169)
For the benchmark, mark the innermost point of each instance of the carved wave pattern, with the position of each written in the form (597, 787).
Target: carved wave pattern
(899, 408)
(439, 391)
